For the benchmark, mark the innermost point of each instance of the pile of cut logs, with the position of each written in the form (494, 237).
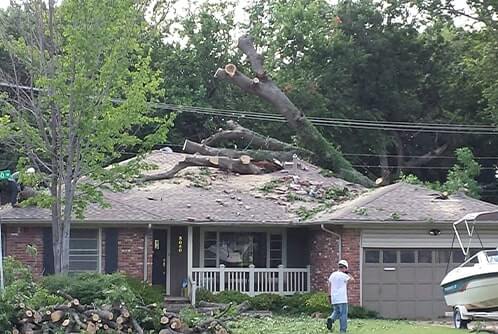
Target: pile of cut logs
(73, 317)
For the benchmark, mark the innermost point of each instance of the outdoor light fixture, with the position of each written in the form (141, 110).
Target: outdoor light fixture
(434, 232)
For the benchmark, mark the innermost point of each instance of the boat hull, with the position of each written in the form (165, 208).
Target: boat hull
(475, 292)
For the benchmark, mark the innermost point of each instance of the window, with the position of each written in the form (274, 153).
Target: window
(84, 251)
(241, 249)
(407, 256)
(424, 256)
(458, 256)
(210, 249)
(372, 256)
(443, 255)
(275, 250)
(389, 256)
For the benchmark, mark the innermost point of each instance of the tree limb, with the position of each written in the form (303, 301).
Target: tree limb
(241, 166)
(258, 155)
(326, 154)
(422, 160)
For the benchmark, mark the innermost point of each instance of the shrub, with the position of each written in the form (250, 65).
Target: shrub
(205, 295)
(359, 312)
(92, 288)
(317, 302)
(228, 296)
(146, 293)
(267, 301)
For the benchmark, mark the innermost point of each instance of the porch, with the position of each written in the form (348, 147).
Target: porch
(251, 260)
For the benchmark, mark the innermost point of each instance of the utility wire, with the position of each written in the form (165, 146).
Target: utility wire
(472, 129)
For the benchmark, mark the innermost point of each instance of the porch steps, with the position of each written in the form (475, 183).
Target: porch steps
(175, 304)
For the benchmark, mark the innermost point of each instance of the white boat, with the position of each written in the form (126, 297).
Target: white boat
(474, 284)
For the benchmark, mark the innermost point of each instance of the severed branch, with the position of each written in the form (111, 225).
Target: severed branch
(235, 132)
(242, 165)
(258, 155)
(326, 155)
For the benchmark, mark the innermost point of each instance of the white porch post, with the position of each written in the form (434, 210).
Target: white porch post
(190, 250)
(281, 279)
(251, 280)
(222, 277)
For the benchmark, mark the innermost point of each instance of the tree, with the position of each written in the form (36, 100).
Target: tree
(80, 85)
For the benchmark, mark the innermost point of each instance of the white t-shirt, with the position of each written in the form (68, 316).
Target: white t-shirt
(339, 287)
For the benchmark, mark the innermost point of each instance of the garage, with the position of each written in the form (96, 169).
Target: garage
(404, 283)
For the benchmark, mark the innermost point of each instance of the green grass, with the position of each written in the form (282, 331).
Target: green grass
(307, 325)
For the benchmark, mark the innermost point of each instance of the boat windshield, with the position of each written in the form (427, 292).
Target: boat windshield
(492, 256)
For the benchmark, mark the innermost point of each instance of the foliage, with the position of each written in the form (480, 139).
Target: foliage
(94, 288)
(306, 303)
(146, 293)
(308, 213)
(20, 288)
(190, 316)
(462, 176)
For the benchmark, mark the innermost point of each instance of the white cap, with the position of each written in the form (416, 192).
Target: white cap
(344, 263)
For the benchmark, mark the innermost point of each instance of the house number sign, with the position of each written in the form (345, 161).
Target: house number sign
(180, 244)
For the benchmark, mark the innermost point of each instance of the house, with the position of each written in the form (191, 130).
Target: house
(281, 233)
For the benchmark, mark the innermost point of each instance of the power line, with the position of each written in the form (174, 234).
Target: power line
(472, 129)
(412, 156)
(416, 167)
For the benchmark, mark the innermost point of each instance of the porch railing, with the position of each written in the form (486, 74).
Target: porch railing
(252, 280)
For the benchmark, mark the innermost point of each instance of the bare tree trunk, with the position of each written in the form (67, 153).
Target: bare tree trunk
(262, 86)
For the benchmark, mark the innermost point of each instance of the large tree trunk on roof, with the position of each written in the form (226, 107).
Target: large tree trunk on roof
(242, 165)
(235, 132)
(326, 155)
(259, 155)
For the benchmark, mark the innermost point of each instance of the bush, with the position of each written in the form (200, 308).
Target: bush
(359, 312)
(267, 301)
(205, 295)
(92, 288)
(146, 293)
(228, 296)
(317, 302)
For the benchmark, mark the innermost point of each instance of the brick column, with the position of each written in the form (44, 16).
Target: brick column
(17, 241)
(131, 252)
(324, 256)
(351, 253)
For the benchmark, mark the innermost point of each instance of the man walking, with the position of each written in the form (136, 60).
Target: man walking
(338, 294)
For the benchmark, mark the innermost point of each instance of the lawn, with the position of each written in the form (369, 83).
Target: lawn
(287, 325)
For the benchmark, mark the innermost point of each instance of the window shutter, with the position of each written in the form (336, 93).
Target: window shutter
(111, 250)
(48, 252)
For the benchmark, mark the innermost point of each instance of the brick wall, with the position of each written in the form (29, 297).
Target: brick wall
(131, 252)
(324, 256)
(17, 240)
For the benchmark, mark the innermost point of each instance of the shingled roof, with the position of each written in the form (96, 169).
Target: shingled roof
(207, 195)
(298, 194)
(403, 202)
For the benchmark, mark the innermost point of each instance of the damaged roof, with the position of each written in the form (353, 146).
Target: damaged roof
(208, 195)
(405, 202)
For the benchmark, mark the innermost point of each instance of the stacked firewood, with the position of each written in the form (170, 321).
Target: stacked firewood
(73, 317)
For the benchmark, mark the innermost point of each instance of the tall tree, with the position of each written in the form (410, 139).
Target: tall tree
(81, 81)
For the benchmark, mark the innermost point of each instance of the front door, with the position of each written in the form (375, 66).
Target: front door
(159, 258)
(179, 270)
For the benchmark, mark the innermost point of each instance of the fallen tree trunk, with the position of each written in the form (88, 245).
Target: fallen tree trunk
(326, 155)
(259, 155)
(242, 165)
(235, 132)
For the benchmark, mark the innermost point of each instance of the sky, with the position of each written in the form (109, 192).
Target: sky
(460, 4)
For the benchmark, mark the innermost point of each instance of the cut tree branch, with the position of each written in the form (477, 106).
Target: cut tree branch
(235, 132)
(422, 160)
(326, 155)
(243, 165)
(258, 155)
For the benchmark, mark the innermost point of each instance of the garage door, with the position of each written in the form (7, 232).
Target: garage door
(404, 283)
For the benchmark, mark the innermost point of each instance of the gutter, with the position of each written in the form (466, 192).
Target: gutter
(337, 235)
